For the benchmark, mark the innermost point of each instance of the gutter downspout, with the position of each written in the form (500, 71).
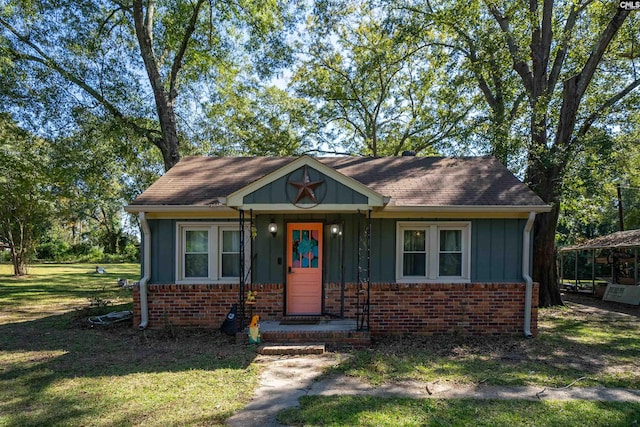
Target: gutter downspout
(526, 254)
(146, 246)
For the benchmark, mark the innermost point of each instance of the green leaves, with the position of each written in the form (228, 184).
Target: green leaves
(379, 89)
(132, 61)
(26, 195)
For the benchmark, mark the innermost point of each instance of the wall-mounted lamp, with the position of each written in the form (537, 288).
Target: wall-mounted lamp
(273, 228)
(335, 230)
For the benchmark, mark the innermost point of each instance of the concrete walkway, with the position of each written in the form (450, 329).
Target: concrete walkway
(284, 379)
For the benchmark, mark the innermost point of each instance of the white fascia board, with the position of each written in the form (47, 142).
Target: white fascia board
(289, 208)
(456, 212)
(479, 208)
(175, 208)
(236, 199)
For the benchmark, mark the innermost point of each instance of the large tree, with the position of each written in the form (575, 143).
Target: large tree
(472, 42)
(250, 118)
(573, 62)
(379, 91)
(557, 60)
(133, 58)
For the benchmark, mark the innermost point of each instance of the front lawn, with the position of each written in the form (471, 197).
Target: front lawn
(373, 411)
(600, 350)
(57, 370)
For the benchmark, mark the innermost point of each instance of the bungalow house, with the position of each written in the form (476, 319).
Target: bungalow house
(418, 245)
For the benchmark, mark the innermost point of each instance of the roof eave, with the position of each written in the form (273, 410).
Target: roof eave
(470, 208)
(176, 208)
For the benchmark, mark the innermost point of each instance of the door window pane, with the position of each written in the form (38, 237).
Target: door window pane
(304, 249)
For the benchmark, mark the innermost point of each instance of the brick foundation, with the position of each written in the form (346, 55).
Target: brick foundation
(428, 308)
(424, 309)
(202, 305)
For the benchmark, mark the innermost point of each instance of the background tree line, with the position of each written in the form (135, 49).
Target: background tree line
(116, 91)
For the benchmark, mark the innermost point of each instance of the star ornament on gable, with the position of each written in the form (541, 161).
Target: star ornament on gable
(306, 187)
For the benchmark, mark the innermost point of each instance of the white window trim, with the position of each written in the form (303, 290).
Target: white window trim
(433, 251)
(215, 251)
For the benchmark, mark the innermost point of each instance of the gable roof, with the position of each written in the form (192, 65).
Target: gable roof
(409, 182)
(374, 199)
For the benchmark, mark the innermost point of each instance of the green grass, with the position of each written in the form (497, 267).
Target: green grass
(603, 351)
(373, 411)
(56, 288)
(57, 370)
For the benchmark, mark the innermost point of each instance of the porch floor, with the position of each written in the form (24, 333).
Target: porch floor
(333, 325)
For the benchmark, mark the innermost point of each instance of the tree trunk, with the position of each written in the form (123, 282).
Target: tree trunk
(169, 143)
(17, 259)
(545, 180)
(545, 270)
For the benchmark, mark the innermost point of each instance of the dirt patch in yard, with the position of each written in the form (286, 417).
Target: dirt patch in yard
(588, 303)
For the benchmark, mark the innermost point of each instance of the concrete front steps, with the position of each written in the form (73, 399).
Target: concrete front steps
(308, 335)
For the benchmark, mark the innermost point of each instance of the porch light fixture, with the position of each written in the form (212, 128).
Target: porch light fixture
(335, 230)
(273, 228)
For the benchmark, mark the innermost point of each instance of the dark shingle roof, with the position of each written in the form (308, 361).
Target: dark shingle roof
(619, 239)
(409, 181)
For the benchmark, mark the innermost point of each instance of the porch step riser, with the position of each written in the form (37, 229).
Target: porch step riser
(353, 338)
(290, 350)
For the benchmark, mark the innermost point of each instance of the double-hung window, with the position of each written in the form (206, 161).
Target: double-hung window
(433, 251)
(208, 253)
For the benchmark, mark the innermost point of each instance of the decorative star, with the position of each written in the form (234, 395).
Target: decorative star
(306, 187)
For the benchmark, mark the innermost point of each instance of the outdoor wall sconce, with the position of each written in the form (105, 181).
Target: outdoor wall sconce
(273, 228)
(335, 230)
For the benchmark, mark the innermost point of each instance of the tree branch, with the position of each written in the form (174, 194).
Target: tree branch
(599, 112)
(563, 46)
(148, 19)
(599, 49)
(50, 63)
(177, 60)
(575, 87)
(519, 65)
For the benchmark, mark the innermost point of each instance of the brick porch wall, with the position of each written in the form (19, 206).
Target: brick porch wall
(425, 309)
(202, 305)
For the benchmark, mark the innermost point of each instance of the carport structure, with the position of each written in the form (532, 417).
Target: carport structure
(620, 250)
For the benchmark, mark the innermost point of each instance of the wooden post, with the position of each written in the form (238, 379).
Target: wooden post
(620, 212)
(593, 271)
(635, 266)
(575, 264)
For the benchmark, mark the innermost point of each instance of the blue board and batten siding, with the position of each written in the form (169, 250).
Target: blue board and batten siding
(163, 248)
(496, 248)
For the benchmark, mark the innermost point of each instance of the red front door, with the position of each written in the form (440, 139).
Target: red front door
(304, 268)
